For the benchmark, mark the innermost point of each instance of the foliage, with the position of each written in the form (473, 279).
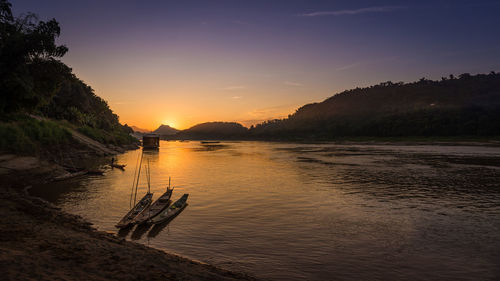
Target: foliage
(29, 135)
(29, 71)
(32, 80)
(214, 130)
(118, 137)
(469, 105)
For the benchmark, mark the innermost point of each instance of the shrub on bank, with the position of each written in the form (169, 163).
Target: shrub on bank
(115, 137)
(30, 135)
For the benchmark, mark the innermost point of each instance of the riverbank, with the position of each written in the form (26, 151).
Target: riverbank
(38, 241)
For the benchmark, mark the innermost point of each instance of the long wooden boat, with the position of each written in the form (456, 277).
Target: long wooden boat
(119, 166)
(154, 209)
(71, 175)
(171, 211)
(127, 220)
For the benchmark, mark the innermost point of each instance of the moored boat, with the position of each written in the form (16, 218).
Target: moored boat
(154, 209)
(171, 211)
(119, 166)
(128, 219)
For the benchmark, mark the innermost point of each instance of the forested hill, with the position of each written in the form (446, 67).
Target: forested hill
(214, 130)
(467, 105)
(33, 81)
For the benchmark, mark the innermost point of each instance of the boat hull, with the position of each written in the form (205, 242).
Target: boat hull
(128, 219)
(170, 212)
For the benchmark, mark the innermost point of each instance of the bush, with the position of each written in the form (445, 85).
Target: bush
(29, 135)
(116, 137)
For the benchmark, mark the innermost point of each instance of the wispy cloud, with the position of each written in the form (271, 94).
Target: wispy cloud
(260, 115)
(234, 88)
(349, 66)
(365, 63)
(295, 84)
(236, 97)
(380, 9)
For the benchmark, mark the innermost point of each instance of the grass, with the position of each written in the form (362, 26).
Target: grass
(28, 135)
(115, 137)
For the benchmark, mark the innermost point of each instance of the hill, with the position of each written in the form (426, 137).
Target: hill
(165, 130)
(214, 130)
(139, 130)
(467, 105)
(42, 100)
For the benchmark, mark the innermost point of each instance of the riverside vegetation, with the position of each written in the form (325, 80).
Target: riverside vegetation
(35, 83)
(455, 108)
(47, 117)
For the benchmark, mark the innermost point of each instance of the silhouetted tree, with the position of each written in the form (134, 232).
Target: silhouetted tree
(466, 106)
(29, 71)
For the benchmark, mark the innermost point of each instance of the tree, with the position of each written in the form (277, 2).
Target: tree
(29, 71)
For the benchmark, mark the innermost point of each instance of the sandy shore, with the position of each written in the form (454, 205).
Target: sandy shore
(38, 241)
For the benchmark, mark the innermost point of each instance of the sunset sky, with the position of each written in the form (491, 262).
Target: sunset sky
(186, 62)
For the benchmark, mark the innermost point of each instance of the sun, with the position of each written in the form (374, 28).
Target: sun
(170, 122)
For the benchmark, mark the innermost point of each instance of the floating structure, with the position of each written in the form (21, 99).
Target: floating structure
(128, 219)
(154, 209)
(119, 166)
(151, 141)
(171, 211)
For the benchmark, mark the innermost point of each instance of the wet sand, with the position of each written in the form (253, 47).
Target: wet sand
(39, 242)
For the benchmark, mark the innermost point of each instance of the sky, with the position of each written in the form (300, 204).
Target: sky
(186, 62)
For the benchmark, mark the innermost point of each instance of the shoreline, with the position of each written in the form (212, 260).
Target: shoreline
(39, 241)
(394, 142)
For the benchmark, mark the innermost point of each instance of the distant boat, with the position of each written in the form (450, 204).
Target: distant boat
(128, 219)
(119, 166)
(154, 209)
(171, 211)
(208, 142)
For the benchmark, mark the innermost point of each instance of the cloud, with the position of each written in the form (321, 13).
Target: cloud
(381, 9)
(236, 97)
(349, 66)
(234, 88)
(295, 84)
(367, 62)
(267, 113)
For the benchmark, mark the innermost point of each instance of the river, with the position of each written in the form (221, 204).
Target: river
(288, 211)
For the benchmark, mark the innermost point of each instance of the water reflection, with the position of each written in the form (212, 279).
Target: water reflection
(307, 211)
(123, 232)
(140, 230)
(157, 228)
(210, 147)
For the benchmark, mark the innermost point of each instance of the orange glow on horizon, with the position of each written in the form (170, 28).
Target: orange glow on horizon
(179, 114)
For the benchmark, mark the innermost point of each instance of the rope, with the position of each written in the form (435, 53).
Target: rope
(133, 182)
(138, 176)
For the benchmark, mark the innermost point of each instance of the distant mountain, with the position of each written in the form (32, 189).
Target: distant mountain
(139, 130)
(467, 105)
(214, 130)
(165, 130)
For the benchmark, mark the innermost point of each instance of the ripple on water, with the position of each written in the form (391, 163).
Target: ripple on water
(314, 211)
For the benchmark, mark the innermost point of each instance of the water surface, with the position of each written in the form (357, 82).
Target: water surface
(314, 211)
